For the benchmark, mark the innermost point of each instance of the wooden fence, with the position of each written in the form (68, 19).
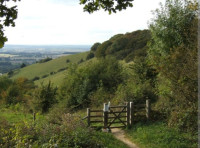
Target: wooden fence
(116, 116)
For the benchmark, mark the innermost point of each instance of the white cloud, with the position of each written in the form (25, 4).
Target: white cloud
(64, 22)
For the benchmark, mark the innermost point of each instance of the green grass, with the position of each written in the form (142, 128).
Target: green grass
(158, 135)
(41, 69)
(56, 79)
(14, 116)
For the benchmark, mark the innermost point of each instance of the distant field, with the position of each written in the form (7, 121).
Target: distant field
(7, 55)
(44, 70)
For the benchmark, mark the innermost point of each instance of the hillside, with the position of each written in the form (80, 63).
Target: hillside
(121, 46)
(124, 46)
(53, 70)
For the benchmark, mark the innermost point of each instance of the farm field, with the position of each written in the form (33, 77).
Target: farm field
(7, 55)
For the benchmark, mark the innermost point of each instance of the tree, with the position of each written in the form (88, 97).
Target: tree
(95, 46)
(23, 65)
(90, 56)
(173, 53)
(7, 15)
(107, 5)
(46, 97)
(84, 81)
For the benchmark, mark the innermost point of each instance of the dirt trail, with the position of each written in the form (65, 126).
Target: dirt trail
(120, 135)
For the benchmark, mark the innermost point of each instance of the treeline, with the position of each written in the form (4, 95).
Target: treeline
(122, 46)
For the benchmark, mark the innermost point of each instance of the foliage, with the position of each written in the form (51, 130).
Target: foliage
(109, 5)
(23, 65)
(10, 73)
(67, 61)
(81, 82)
(90, 56)
(8, 16)
(95, 46)
(125, 46)
(139, 83)
(101, 50)
(14, 92)
(70, 132)
(35, 78)
(45, 60)
(45, 97)
(81, 61)
(5, 83)
(173, 53)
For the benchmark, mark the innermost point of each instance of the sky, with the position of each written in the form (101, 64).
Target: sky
(63, 22)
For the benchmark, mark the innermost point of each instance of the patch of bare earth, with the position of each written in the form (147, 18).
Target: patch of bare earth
(120, 135)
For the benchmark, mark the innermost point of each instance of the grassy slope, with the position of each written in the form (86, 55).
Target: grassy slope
(13, 115)
(41, 69)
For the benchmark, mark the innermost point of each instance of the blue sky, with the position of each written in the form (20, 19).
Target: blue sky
(47, 22)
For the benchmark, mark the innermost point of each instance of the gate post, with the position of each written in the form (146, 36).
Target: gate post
(105, 115)
(148, 109)
(128, 114)
(131, 113)
(88, 116)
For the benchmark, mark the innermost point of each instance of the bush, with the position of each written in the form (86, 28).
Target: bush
(35, 78)
(72, 132)
(45, 60)
(52, 73)
(44, 76)
(95, 46)
(62, 69)
(82, 82)
(67, 61)
(90, 56)
(45, 97)
(10, 73)
(23, 65)
(80, 61)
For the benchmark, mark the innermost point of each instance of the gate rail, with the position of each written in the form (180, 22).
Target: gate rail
(122, 115)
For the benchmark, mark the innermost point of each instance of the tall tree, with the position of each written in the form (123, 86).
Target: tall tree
(173, 53)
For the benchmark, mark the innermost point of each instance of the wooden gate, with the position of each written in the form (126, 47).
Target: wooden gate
(115, 116)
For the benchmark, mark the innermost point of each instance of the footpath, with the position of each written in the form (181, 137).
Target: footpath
(120, 135)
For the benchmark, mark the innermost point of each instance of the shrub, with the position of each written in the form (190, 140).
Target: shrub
(67, 61)
(45, 97)
(52, 73)
(45, 60)
(90, 56)
(62, 69)
(95, 46)
(23, 65)
(44, 76)
(35, 78)
(10, 73)
(81, 82)
(80, 61)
